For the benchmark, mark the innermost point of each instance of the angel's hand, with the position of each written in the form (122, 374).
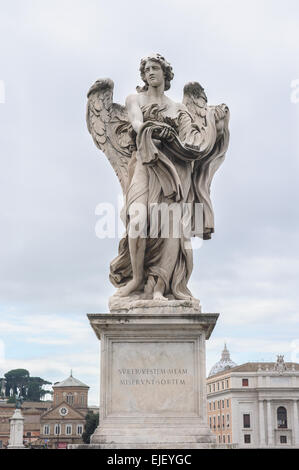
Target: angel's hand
(157, 142)
(166, 134)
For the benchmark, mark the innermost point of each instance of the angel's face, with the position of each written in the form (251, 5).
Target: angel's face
(154, 73)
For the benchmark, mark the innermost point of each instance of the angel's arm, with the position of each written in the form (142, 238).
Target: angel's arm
(134, 112)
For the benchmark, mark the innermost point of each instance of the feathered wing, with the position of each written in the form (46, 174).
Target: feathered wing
(212, 123)
(108, 124)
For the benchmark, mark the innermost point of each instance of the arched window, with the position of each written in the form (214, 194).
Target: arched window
(70, 398)
(68, 429)
(282, 421)
(57, 429)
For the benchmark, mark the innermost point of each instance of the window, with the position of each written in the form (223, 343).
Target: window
(222, 403)
(218, 421)
(227, 420)
(214, 405)
(282, 421)
(46, 429)
(213, 387)
(210, 422)
(210, 388)
(283, 440)
(68, 429)
(214, 422)
(70, 399)
(222, 385)
(82, 399)
(57, 429)
(247, 438)
(226, 383)
(224, 439)
(222, 421)
(79, 429)
(244, 382)
(227, 403)
(218, 387)
(210, 405)
(228, 439)
(246, 421)
(219, 438)
(218, 404)
(28, 434)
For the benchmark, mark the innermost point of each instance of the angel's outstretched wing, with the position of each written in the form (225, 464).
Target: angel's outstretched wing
(212, 123)
(108, 124)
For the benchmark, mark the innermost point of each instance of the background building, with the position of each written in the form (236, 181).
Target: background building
(53, 424)
(254, 404)
(63, 424)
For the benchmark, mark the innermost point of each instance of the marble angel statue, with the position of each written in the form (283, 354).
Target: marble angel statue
(162, 152)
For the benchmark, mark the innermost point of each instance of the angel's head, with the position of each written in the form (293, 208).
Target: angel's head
(163, 64)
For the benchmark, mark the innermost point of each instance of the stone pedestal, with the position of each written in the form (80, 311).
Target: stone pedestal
(153, 377)
(16, 431)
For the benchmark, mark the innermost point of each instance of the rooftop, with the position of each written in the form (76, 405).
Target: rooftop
(261, 366)
(70, 382)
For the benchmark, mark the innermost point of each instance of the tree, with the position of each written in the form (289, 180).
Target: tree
(20, 382)
(35, 389)
(16, 380)
(91, 423)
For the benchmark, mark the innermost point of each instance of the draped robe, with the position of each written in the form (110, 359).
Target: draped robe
(178, 171)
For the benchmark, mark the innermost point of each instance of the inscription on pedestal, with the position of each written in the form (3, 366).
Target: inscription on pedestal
(149, 378)
(143, 374)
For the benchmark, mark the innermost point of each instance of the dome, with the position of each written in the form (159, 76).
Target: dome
(224, 363)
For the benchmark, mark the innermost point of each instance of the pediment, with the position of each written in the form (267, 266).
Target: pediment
(57, 412)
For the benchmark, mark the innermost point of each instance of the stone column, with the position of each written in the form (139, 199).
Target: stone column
(16, 431)
(295, 423)
(270, 425)
(262, 423)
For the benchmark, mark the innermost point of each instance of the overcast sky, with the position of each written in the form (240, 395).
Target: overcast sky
(53, 268)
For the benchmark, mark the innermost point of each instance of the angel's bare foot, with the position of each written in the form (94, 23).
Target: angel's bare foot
(158, 296)
(132, 285)
(186, 297)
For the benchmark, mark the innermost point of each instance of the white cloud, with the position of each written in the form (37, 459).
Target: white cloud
(45, 325)
(250, 345)
(49, 341)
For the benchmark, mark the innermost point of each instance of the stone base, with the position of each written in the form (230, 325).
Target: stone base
(16, 447)
(135, 304)
(153, 378)
(153, 438)
(159, 445)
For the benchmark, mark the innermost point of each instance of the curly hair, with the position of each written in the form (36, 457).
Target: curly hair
(166, 67)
